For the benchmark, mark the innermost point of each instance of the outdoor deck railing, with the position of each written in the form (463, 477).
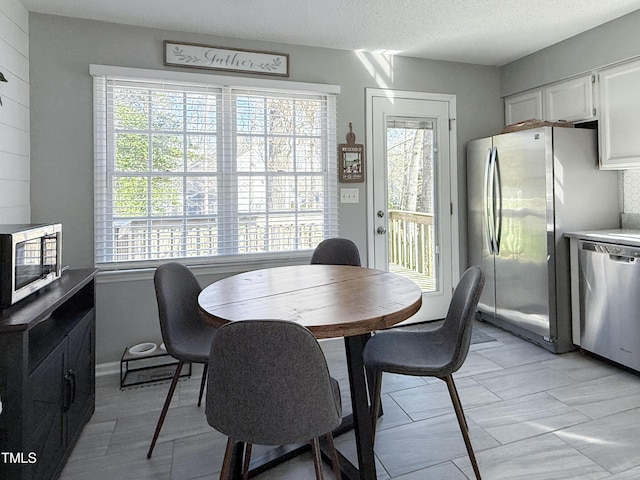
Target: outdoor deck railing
(411, 241)
(139, 240)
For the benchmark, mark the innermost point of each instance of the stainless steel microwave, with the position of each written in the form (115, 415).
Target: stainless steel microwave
(30, 258)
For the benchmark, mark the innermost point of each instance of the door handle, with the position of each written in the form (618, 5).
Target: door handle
(73, 385)
(68, 391)
(497, 235)
(487, 198)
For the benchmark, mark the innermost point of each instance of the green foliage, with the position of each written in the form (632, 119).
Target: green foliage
(130, 196)
(134, 155)
(167, 153)
(132, 152)
(159, 132)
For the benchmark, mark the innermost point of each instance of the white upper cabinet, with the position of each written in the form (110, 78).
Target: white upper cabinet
(523, 106)
(609, 95)
(571, 100)
(619, 123)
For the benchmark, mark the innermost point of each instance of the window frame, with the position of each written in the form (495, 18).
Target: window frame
(104, 135)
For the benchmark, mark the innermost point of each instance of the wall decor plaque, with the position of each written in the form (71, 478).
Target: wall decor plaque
(228, 59)
(351, 159)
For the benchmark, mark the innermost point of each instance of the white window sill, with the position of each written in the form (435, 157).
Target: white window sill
(210, 268)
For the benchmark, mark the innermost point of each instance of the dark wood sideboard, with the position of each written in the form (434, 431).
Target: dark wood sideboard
(47, 376)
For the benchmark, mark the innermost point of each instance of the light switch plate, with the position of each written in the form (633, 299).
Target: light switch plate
(349, 195)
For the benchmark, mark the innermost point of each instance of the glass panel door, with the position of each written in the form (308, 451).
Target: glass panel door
(411, 196)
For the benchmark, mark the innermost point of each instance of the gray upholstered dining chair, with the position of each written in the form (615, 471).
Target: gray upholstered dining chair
(186, 336)
(268, 384)
(336, 251)
(436, 353)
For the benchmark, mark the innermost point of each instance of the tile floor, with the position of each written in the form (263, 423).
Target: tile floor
(532, 415)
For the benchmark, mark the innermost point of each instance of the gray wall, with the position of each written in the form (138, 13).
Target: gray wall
(612, 42)
(61, 50)
(14, 113)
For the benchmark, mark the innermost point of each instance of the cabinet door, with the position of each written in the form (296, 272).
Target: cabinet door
(80, 373)
(571, 100)
(45, 397)
(524, 106)
(619, 120)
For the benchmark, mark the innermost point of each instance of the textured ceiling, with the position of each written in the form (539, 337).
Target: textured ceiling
(488, 32)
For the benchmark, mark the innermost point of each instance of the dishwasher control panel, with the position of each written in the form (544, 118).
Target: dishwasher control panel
(611, 249)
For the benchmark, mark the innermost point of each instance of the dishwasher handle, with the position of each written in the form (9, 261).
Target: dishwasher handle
(621, 258)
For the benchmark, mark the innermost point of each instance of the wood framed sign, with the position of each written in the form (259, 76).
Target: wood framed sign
(209, 57)
(351, 160)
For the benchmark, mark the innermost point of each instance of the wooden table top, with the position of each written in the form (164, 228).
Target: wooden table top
(330, 300)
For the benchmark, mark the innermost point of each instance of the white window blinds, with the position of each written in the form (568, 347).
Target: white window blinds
(190, 171)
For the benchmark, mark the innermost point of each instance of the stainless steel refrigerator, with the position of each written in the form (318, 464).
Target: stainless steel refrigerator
(525, 190)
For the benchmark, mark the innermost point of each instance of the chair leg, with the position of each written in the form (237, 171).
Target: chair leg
(203, 382)
(247, 461)
(226, 463)
(165, 408)
(376, 401)
(371, 380)
(334, 456)
(316, 458)
(462, 421)
(455, 389)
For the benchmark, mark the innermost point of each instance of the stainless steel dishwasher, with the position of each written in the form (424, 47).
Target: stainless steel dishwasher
(610, 301)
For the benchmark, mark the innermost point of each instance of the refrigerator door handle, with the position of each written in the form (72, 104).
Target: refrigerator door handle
(492, 201)
(487, 199)
(497, 198)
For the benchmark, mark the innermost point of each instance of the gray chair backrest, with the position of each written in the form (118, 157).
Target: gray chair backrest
(336, 251)
(269, 384)
(462, 309)
(177, 291)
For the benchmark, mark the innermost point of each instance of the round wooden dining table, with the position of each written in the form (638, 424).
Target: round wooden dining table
(331, 301)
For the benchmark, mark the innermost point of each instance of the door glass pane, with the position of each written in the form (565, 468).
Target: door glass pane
(411, 196)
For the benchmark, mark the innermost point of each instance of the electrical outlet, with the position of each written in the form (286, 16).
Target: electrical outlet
(349, 195)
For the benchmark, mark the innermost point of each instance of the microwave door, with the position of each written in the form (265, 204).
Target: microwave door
(31, 258)
(28, 262)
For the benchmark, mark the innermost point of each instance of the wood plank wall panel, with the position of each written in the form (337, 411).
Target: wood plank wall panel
(15, 135)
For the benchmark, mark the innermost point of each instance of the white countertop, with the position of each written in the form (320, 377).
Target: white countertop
(621, 236)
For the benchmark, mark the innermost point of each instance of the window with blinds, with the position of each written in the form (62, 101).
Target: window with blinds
(189, 171)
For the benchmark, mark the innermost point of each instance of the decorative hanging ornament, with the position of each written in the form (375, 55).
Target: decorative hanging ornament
(2, 79)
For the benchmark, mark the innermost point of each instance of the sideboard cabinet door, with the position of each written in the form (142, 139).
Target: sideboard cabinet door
(81, 374)
(45, 397)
